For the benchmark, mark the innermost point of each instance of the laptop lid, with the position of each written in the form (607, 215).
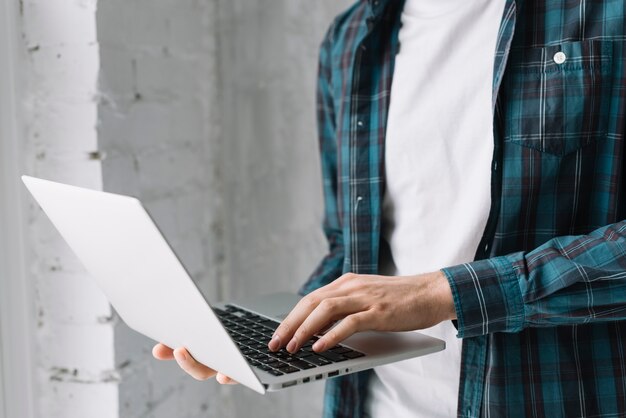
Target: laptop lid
(114, 237)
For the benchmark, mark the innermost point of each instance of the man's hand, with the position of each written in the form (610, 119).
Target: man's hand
(189, 364)
(363, 303)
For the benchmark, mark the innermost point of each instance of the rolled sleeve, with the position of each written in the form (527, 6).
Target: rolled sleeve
(487, 296)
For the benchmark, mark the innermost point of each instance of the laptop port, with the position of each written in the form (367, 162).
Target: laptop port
(306, 380)
(333, 374)
(287, 384)
(318, 377)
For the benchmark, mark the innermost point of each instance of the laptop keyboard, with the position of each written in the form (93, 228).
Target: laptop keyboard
(252, 333)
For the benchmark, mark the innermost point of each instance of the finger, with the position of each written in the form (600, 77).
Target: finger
(327, 312)
(298, 314)
(162, 352)
(349, 325)
(191, 366)
(225, 380)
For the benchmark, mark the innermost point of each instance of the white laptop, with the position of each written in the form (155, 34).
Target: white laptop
(128, 257)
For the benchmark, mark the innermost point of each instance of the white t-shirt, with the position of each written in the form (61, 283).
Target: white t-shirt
(439, 148)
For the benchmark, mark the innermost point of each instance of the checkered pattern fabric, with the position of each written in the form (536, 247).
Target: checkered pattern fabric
(542, 310)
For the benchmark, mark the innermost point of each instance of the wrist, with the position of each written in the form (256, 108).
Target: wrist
(443, 294)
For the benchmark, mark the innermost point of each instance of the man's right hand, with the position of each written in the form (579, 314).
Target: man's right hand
(186, 362)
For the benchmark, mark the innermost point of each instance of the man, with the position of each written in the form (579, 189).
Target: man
(519, 153)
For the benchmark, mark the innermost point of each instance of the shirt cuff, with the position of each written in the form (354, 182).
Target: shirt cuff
(487, 296)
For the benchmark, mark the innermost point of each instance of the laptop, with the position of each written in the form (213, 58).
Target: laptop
(122, 248)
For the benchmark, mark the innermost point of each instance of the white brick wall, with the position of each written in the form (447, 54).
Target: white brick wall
(76, 374)
(159, 128)
(268, 61)
(205, 110)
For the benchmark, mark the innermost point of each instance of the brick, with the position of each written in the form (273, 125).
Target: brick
(169, 171)
(77, 400)
(87, 348)
(65, 73)
(56, 287)
(164, 77)
(59, 22)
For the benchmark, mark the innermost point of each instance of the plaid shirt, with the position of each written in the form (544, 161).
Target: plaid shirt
(542, 310)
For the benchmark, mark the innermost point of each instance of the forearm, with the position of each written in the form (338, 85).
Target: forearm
(568, 280)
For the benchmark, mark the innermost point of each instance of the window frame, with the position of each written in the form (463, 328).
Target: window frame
(16, 325)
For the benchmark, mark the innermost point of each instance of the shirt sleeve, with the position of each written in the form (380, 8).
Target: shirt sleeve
(331, 265)
(568, 280)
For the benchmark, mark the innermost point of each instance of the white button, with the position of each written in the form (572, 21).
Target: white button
(359, 123)
(560, 57)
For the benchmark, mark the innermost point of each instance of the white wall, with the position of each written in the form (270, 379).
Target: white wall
(205, 110)
(268, 62)
(159, 128)
(16, 371)
(74, 351)
(207, 113)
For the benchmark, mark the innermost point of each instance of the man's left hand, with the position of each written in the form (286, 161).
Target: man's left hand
(366, 303)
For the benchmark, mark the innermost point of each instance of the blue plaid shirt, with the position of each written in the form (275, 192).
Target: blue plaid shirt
(542, 310)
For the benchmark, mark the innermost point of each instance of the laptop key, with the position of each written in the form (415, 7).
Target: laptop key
(275, 372)
(317, 360)
(281, 366)
(269, 324)
(353, 354)
(290, 369)
(302, 365)
(340, 350)
(310, 343)
(334, 357)
(280, 354)
(267, 334)
(256, 336)
(274, 363)
(303, 353)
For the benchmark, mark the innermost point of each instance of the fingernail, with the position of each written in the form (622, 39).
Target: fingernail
(180, 356)
(274, 343)
(320, 345)
(293, 344)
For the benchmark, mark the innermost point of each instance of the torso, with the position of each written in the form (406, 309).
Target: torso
(438, 151)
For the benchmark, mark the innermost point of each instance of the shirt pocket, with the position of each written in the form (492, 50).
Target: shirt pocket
(556, 99)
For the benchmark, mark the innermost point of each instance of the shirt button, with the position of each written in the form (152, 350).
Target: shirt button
(363, 48)
(359, 123)
(560, 57)
(486, 248)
